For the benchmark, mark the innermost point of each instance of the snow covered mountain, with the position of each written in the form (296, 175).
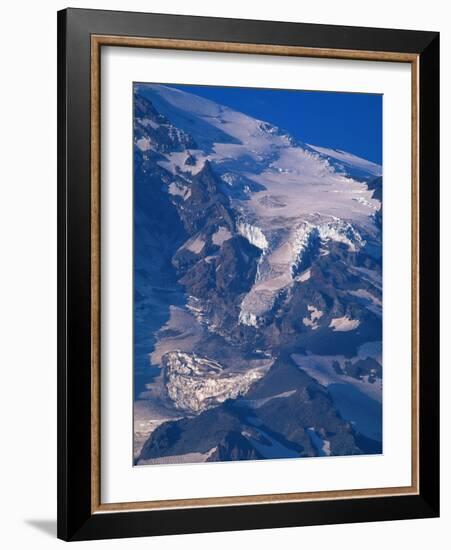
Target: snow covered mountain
(272, 250)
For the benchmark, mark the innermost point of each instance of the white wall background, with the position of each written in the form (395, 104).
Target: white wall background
(28, 271)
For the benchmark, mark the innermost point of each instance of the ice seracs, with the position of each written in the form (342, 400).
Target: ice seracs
(195, 383)
(341, 231)
(281, 263)
(246, 318)
(253, 234)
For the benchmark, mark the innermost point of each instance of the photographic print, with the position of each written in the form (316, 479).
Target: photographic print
(257, 274)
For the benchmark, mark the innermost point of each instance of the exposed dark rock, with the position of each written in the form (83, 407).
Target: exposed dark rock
(234, 446)
(375, 185)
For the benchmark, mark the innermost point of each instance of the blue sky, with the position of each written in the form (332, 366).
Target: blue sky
(348, 121)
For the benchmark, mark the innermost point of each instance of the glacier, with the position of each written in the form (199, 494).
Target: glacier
(196, 383)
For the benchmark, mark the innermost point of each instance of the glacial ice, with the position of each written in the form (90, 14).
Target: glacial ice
(195, 383)
(253, 234)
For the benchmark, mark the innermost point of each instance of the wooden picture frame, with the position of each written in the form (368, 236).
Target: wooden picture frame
(81, 35)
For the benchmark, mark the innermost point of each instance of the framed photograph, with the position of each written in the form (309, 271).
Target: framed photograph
(248, 274)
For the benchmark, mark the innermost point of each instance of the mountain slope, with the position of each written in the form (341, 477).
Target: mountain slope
(275, 250)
